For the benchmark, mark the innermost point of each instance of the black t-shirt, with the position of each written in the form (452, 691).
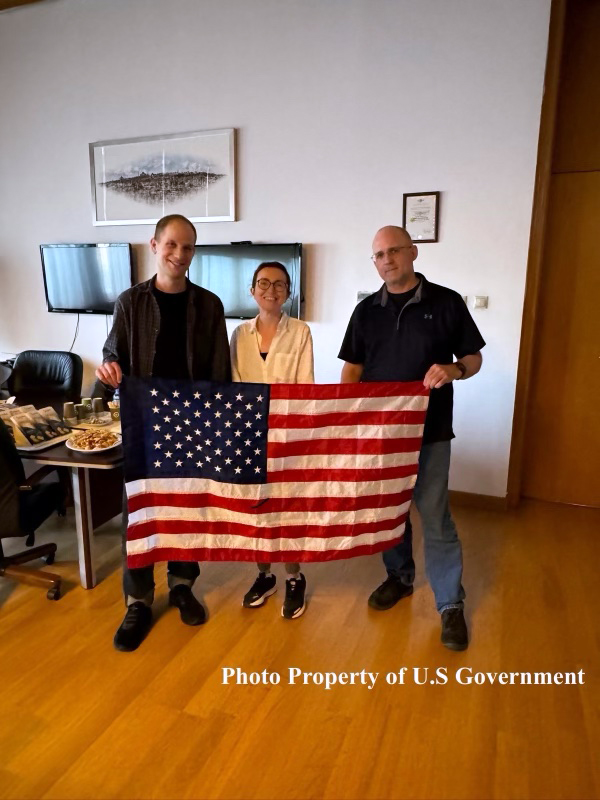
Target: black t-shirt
(431, 327)
(170, 356)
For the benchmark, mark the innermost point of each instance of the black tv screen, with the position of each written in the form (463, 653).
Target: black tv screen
(85, 278)
(227, 269)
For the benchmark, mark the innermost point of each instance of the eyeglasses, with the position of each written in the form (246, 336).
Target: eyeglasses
(391, 252)
(279, 286)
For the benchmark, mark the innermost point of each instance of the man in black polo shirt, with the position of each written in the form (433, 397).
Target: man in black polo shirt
(410, 330)
(170, 328)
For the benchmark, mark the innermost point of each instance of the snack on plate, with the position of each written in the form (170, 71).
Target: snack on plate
(94, 440)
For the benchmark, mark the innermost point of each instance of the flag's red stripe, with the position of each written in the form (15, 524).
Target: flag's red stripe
(336, 391)
(227, 554)
(348, 447)
(206, 528)
(354, 475)
(271, 505)
(346, 418)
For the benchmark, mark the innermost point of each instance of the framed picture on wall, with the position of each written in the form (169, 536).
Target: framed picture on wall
(138, 181)
(420, 215)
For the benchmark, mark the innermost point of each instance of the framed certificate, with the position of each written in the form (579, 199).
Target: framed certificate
(420, 215)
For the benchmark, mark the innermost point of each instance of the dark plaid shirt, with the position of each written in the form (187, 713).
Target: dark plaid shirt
(136, 323)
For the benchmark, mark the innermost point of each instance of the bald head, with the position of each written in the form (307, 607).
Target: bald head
(396, 231)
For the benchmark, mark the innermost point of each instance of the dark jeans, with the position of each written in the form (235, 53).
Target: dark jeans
(138, 584)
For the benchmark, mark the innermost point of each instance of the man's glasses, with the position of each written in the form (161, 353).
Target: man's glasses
(279, 286)
(391, 252)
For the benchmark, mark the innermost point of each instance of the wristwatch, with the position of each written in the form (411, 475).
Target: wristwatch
(462, 369)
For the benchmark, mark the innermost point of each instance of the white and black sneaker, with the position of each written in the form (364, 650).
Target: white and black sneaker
(294, 604)
(263, 587)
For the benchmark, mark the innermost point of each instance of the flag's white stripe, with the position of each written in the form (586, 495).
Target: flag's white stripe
(346, 432)
(191, 541)
(351, 461)
(260, 491)
(328, 406)
(264, 519)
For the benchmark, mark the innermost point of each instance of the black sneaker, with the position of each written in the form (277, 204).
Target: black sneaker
(388, 594)
(191, 611)
(454, 629)
(294, 604)
(263, 587)
(134, 628)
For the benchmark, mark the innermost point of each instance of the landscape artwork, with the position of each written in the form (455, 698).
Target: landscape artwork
(138, 181)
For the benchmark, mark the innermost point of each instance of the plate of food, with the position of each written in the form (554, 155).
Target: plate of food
(93, 441)
(97, 421)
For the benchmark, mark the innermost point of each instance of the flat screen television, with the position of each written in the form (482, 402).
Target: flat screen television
(227, 269)
(85, 278)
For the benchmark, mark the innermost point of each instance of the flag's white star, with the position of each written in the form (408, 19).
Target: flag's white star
(188, 438)
(175, 393)
(247, 442)
(198, 463)
(207, 458)
(179, 463)
(227, 405)
(178, 445)
(178, 428)
(257, 433)
(198, 447)
(176, 411)
(238, 452)
(157, 463)
(217, 452)
(217, 414)
(196, 413)
(157, 445)
(197, 432)
(207, 404)
(153, 392)
(258, 416)
(186, 422)
(259, 398)
(248, 406)
(238, 414)
(248, 461)
(237, 470)
(157, 427)
(218, 396)
(257, 452)
(189, 454)
(155, 409)
(186, 403)
(228, 461)
(248, 424)
(228, 442)
(167, 419)
(239, 397)
(165, 402)
(208, 442)
(217, 433)
(207, 423)
(237, 433)
(196, 395)
(228, 424)
(217, 468)
(167, 436)
(256, 469)
(168, 454)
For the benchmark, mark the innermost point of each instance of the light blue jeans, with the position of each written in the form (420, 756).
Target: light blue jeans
(443, 551)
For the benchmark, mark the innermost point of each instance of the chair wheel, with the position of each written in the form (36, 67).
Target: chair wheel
(50, 558)
(54, 593)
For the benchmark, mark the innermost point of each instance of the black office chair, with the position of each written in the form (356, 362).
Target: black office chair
(24, 505)
(46, 377)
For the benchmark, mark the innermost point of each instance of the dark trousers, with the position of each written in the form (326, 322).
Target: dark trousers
(138, 584)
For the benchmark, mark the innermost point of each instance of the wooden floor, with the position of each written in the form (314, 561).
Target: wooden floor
(80, 720)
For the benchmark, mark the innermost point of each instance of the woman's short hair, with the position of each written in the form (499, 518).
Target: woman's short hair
(276, 265)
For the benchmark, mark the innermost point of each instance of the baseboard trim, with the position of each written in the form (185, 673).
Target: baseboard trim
(485, 502)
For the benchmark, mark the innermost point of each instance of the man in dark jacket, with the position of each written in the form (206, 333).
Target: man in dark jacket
(170, 328)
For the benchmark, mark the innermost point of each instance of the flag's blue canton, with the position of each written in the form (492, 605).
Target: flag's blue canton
(215, 431)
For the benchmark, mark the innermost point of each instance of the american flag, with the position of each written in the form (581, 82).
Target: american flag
(257, 472)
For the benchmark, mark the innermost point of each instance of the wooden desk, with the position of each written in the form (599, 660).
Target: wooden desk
(97, 494)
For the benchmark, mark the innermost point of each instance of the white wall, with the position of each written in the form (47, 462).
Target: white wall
(340, 106)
